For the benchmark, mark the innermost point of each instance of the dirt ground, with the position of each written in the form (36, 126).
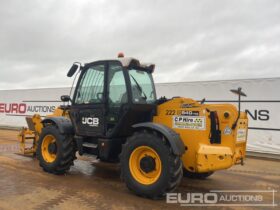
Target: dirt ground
(93, 185)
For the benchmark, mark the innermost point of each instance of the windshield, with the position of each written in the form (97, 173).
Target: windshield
(142, 87)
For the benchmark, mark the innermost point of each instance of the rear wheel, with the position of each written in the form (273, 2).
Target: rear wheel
(194, 175)
(55, 151)
(148, 165)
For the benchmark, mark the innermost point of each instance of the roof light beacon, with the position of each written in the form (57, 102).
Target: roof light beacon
(120, 55)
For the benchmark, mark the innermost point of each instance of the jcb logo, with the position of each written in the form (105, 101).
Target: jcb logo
(91, 121)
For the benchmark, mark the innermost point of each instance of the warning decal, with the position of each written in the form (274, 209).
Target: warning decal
(189, 122)
(241, 135)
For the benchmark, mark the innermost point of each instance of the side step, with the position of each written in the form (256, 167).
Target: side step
(90, 148)
(91, 145)
(102, 148)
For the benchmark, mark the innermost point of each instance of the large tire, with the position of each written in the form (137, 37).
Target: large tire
(193, 175)
(59, 158)
(148, 166)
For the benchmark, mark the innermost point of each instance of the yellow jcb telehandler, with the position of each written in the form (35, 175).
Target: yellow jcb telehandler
(114, 114)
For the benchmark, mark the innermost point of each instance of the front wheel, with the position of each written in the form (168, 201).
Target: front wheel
(55, 151)
(148, 165)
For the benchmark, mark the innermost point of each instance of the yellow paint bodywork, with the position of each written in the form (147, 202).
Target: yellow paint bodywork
(28, 137)
(200, 155)
(48, 157)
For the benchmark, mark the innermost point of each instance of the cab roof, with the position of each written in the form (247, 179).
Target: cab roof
(133, 62)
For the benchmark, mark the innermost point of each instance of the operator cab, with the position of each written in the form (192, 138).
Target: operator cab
(111, 96)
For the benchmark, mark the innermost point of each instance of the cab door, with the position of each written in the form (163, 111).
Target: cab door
(117, 97)
(88, 107)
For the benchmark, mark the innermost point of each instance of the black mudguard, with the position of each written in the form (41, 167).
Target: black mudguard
(64, 124)
(173, 138)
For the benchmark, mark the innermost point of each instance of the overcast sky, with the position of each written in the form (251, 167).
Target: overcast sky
(187, 40)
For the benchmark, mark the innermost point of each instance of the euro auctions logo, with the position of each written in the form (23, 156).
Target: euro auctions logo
(224, 198)
(13, 108)
(23, 108)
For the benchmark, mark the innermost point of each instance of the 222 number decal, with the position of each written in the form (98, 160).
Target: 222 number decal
(170, 112)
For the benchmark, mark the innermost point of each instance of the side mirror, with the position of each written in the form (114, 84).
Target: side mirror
(65, 98)
(76, 66)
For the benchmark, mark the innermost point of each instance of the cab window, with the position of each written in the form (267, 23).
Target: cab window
(117, 86)
(91, 88)
(142, 87)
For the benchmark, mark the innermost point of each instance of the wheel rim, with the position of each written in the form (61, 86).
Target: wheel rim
(49, 148)
(145, 165)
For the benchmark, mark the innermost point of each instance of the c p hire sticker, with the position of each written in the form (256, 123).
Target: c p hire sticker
(189, 122)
